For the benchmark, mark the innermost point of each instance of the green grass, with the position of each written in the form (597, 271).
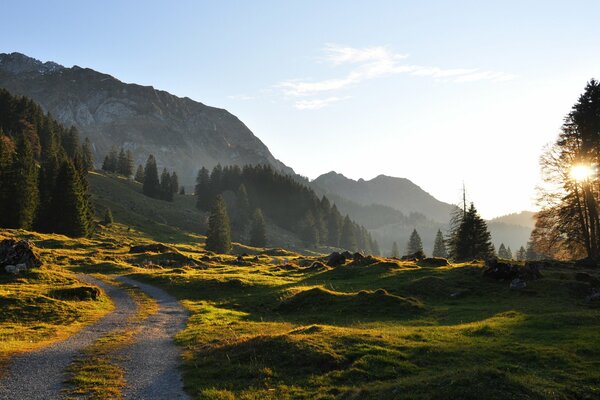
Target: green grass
(272, 328)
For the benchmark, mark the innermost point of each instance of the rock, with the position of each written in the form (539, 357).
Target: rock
(240, 258)
(459, 293)
(152, 247)
(347, 254)
(17, 256)
(502, 270)
(594, 296)
(517, 284)
(336, 259)
(303, 262)
(419, 255)
(317, 266)
(76, 293)
(434, 262)
(357, 257)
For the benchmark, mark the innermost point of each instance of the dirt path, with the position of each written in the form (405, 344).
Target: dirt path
(151, 362)
(41, 374)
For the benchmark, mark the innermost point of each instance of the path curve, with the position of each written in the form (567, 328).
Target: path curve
(40, 374)
(152, 361)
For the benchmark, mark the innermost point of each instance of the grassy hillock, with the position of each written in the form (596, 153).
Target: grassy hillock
(274, 326)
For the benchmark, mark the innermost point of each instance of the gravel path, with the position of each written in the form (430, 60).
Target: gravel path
(41, 374)
(151, 362)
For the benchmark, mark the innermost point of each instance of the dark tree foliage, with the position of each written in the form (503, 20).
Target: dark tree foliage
(285, 201)
(415, 244)
(395, 250)
(439, 246)
(202, 190)
(242, 214)
(470, 238)
(258, 229)
(375, 247)
(108, 217)
(174, 182)
(502, 252)
(166, 190)
(111, 161)
(87, 156)
(182, 191)
(348, 235)
(139, 174)
(218, 237)
(521, 254)
(151, 186)
(33, 148)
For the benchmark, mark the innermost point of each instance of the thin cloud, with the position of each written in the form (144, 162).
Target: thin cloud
(372, 63)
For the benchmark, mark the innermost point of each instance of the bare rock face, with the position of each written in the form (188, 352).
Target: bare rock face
(181, 133)
(17, 256)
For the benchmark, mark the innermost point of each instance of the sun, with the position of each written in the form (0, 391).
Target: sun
(582, 172)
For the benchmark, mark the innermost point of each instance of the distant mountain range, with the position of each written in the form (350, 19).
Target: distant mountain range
(182, 134)
(185, 135)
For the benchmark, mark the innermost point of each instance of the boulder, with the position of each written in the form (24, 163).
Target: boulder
(506, 271)
(357, 257)
(419, 255)
(517, 284)
(347, 254)
(17, 256)
(336, 259)
(434, 262)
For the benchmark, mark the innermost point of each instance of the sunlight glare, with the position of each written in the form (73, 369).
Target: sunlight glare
(581, 172)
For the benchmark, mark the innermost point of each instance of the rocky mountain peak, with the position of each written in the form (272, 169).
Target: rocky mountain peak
(17, 63)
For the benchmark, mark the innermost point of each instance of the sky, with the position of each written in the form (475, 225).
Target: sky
(439, 92)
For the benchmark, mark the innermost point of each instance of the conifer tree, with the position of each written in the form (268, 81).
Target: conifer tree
(125, 163)
(470, 238)
(72, 214)
(309, 231)
(202, 190)
(334, 226)
(139, 174)
(174, 182)
(439, 246)
(70, 142)
(151, 187)
(218, 237)
(530, 253)
(258, 229)
(166, 190)
(395, 251)
(348, 236)
(111, 161)
(182, 190)
(509, 253)
(521, 254)
(22, 188)
(87, 156)
(502, 252)
(6, 159)
(376, 251)
(243, 211)
(414, 245)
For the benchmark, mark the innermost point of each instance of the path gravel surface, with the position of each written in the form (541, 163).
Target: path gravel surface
(40, 374)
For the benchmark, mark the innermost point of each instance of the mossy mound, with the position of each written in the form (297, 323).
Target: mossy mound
(433, 262)
(23, 309)
(167, 259)
(364, 303)
(76, 293)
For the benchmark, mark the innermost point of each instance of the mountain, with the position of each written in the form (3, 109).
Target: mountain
(524, 218)
(398, 193)
(182, 134)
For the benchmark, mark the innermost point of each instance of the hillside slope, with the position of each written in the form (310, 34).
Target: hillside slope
(183, 134)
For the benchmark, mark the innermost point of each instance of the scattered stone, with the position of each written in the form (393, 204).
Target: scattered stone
(418, 256)
(505, 271)
(336, 259)
(17, 256)
(517, 284)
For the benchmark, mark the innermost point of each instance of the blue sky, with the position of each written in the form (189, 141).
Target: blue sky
(434, 91)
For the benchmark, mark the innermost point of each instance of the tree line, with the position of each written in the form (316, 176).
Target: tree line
(42, 171)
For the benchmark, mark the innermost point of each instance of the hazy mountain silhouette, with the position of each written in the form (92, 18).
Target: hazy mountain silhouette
(182, 134)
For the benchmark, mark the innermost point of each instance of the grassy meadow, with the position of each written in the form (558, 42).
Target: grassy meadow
(276, 326)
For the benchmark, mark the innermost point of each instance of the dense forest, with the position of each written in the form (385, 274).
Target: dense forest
(42, 171)
(283, 200)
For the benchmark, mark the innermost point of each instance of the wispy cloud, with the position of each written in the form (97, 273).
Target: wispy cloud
(372, 63)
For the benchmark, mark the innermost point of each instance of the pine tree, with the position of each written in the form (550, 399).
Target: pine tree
(174, 182)
(243, 211)
(166, 190)
(22, 188)
(348, 236)
(521, 254)
(470, 238)
(439, 246)
(530, 253)
(108, 217)
(182, 190)
(7, 150)
(72, 215)
(502, 253)
(70, 142)
(122, 162)
(218, 237)
(414, 245)
(309, 231)
(395, 251)
(151, 186)
(111, 161)
(87, 155)
(509, 253)
(139, 174)
(375, 247)
(202, 190)
(334, 226)
(258, 230)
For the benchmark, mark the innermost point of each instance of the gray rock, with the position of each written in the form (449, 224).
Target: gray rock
(518, 284)
(594, 296)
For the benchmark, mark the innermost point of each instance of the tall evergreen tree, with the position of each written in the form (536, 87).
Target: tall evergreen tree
(111, 161)
(334, 226)
(166, 190)
(502, 252)
(243, 211)
(174, 182)
(72, 215)
(108, 217)
(258, 230)
(530, 253)
(414, 244)
(218, 237)
(509, 253)
(521, 254)
(87, 155)
(470, 238)
(70, 142)
(439, 246)
(309, 231)
(348, 236)
(375, 247)
(151, 186)
(139, 174)
(202, 190)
